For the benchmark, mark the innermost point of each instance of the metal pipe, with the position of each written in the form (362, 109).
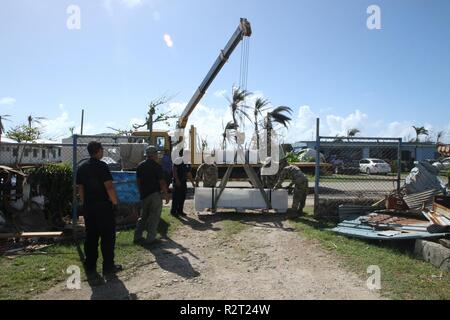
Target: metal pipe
(74, 185)
(399, 165)
(317, 169)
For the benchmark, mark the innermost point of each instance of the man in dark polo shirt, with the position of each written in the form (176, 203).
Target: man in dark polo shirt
(99, 202)
(181, 174)
(150, 181)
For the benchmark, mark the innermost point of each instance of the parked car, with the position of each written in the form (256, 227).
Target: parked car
(345, 166)
(443, 164)
(374, 166)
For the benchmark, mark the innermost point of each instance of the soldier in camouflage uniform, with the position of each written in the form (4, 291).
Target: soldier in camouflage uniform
(208, 173)
(300, 183)
(269, 181)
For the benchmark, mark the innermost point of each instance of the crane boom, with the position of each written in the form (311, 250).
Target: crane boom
(244, 30)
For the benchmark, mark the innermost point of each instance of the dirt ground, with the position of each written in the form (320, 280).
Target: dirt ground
(266, 260)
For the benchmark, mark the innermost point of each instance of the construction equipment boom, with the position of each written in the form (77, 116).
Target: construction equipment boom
(244, 30)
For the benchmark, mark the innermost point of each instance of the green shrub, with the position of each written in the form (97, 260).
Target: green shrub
(292, 157)
(54, 182)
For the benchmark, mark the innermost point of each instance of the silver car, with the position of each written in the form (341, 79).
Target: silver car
(374, 166)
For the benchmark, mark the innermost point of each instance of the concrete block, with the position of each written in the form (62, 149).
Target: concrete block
(240, 199)
(433, 253)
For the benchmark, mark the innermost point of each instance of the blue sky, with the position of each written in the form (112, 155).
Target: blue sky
(318, 57)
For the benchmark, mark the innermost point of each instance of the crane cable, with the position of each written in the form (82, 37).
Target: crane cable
(243, 74)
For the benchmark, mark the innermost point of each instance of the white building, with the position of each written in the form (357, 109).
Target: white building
(40, 152)
(125, 151)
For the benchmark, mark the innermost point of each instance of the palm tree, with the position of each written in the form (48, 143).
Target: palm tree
(238, 109)
(420, 131)
(31, 119)
(353, 132)
(258, 108)
(439, 136)
(279, 115)
(2, 127)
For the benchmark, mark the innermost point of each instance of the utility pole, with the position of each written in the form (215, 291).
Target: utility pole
(82, 121)
(151, 113)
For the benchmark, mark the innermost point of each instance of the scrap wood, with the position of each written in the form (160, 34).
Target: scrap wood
(27, 235)
(393, 219)
(376, 204)
(9, 169)
(435, 218)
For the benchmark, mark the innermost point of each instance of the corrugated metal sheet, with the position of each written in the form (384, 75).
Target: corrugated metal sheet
(417, 200)
(356, 229)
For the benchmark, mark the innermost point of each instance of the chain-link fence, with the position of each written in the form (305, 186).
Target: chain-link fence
(23, 184)
(18, 160)
(122, 154)
(356, 171)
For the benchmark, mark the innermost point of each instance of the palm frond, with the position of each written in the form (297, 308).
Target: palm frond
(260, 105)
(282, 109)
(278, 115)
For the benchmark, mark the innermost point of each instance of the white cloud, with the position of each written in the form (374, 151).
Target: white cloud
(338, 125)
(57, 127)
(168, 40)
(109, 4)
(7, 101)
(220, 93)
(132, 3)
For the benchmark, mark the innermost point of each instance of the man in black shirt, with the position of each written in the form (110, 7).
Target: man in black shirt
(150, 181)
(99, 201)
(181, 173)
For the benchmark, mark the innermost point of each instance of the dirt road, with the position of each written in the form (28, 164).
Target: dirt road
(267, 259)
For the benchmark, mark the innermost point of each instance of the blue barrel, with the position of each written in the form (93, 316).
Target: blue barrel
(126, 188)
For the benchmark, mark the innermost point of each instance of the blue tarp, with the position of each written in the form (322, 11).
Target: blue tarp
(126, 188)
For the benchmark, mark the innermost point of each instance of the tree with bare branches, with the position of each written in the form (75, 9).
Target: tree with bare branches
(150, 119)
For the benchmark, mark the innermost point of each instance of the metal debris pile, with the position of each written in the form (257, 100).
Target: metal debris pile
(420, 210)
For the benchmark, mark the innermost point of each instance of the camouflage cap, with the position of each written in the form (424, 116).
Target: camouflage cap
(151, 151)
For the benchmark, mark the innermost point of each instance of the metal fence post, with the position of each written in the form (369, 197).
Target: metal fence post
(399, 165)
(74, 184)
(317, 169)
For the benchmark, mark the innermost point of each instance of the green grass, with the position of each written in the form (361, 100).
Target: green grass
(402, 275)
(26, 275)
(231, 227)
